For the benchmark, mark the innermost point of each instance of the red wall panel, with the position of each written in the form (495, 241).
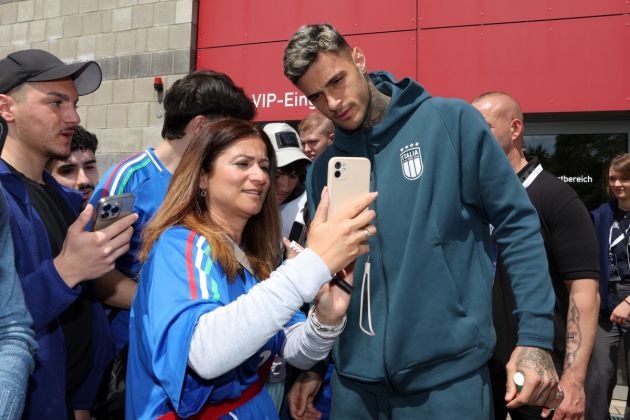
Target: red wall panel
(223, 23)
(433, 13)
(258, 69)
(556, 66)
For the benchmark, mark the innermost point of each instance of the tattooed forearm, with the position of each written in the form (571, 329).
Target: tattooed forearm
(574, 334)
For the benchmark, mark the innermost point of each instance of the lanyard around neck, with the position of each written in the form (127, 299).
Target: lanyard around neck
(530, 175)
(240, 255)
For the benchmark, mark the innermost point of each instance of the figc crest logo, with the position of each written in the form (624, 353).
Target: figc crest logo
(411, 161)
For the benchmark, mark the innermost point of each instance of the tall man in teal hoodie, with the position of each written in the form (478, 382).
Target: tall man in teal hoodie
(419, 329)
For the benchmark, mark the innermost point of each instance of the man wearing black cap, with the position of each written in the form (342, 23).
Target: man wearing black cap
(54, 255)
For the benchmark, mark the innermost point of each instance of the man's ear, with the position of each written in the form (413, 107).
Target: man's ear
(198, 123)
(516, 127)
(6, 110)
(359, 60)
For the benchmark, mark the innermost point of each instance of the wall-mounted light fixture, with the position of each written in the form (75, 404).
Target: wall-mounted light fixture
(158, 86)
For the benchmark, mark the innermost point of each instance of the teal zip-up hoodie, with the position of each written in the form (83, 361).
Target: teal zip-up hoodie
(442, 181)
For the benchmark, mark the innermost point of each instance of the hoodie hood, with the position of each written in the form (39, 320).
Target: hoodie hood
(406, 96)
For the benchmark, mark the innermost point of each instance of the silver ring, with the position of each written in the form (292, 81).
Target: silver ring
(558, 397)
(367, 235)
(559, 394)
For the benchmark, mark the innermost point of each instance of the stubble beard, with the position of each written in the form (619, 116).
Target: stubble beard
(59, 155)
(51, 154)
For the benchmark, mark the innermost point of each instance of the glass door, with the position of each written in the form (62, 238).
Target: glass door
(578, 153)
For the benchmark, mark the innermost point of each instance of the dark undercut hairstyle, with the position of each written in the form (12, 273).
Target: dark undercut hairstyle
(306, 44)
(208, 93)
(83, 140)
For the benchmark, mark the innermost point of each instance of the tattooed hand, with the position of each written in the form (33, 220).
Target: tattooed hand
(541, 379)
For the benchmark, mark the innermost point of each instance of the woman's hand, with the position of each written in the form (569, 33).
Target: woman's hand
(620, 313)
(332, 301)
(343, 238)
(289, 250)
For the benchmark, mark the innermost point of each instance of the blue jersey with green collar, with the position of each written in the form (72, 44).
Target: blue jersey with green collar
(147, 178)
(178, 283)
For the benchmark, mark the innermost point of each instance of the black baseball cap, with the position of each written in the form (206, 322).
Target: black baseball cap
(41, 66)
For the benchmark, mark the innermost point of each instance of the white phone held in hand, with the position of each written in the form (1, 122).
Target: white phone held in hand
(348, 180)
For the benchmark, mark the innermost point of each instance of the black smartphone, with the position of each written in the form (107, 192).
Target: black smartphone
(109, 209)
(298, 233)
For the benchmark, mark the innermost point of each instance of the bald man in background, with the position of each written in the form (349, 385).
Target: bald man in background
(572, 254)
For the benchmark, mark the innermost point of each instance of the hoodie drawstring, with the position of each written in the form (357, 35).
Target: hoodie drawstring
(365, 286)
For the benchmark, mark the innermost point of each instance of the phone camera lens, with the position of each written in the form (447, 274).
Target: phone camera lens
(107, 207)
(337, 166)
(115, 210)
(337, 174)
(104, 215)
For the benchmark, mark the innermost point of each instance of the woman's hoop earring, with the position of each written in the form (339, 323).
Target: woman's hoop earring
(202, 193)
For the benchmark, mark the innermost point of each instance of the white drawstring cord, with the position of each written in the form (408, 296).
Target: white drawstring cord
(366, 281)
